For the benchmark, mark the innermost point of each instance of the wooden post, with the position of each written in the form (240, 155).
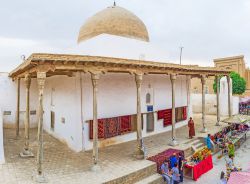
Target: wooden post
(173, 79)
(18, 108)
(41, 77)
(218, 99)
(229, 96)
(203, 82)
(95, 77)
(140, 151)
(26, 151)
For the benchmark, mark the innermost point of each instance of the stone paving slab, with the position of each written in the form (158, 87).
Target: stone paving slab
(62, 165)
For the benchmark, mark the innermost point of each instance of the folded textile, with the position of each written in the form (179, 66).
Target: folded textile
(165, 155)
(167, 118)
(161, 114)
(125, 124)
(166, 115)
(111, 127)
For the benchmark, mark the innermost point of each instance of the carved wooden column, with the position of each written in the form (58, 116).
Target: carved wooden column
(229, 96)
(18, 108)
(173, 79)
(26, 151)
(218, 99)
(41, 77)
(203, 82)
(95, 77)
(140, 150)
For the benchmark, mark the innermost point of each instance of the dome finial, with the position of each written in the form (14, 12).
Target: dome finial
(114, 3)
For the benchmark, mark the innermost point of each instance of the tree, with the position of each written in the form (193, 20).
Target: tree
(238, 82)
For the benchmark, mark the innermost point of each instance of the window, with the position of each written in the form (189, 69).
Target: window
(148, 98)
(52, 120)
(7, 113)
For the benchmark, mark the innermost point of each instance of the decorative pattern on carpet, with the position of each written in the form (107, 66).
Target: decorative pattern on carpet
(111, 127)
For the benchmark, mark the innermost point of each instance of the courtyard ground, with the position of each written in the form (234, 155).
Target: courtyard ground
(62, 165)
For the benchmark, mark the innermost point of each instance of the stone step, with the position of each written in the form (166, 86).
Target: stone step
(153, 179)
(188, 152)
(197, 146)
(192, 141)
(136, 175)
(195, 141)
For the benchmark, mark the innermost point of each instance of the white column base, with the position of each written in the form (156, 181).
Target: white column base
(26, 154)
(95, 168)
(40, 178)
(204, 130)
(173, 143)
(139, 154)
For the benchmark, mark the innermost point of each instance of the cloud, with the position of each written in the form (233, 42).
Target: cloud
(207, 29)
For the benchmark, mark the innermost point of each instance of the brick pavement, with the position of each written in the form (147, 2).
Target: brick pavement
(62, 165)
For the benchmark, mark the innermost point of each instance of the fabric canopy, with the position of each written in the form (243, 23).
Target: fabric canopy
(239, 177)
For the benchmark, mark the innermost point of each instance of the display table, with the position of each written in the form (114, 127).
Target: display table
(195, 171)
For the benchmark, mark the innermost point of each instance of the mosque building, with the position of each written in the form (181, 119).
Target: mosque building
(96, 101)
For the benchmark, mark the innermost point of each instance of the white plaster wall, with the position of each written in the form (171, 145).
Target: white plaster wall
(117, 97)
(211, 103)
(236, 103)
(2, 159)
(65, 102)
(8, 100)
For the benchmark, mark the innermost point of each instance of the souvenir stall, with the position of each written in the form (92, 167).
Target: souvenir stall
(198, 164)
(244, 106)
(234, 134)
(165, 155)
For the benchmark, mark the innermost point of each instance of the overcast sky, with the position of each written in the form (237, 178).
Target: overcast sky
(206, 28)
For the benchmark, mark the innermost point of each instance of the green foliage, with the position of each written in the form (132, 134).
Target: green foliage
(238, 82)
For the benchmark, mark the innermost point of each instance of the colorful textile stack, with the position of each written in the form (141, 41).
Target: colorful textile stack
(111, 127)
(165, 155)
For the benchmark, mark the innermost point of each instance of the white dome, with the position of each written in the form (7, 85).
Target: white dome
(114, 20)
